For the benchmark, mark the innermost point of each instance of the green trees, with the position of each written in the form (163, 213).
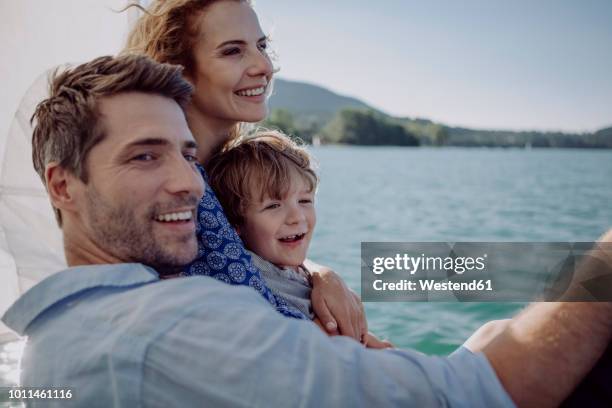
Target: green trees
(370, 127)
(366, 127)
(283, 120)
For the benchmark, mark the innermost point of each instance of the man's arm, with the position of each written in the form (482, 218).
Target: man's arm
(230, 349)
(546, 350)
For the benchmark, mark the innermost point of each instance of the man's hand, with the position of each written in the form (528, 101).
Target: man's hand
(338, 308)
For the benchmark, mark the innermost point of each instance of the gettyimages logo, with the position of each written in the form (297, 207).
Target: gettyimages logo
(486, 271)
(412, 264)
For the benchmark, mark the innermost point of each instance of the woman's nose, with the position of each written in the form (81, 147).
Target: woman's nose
(261, 65)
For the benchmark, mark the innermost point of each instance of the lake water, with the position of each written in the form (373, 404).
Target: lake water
(443, 194)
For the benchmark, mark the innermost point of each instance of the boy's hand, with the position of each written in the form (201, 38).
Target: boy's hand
(338, 308)
(370, 340)
(373, 342)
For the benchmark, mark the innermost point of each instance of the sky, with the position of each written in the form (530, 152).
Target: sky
(491, 64)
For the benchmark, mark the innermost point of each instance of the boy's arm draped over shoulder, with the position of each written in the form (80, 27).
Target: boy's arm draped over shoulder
(337, 307)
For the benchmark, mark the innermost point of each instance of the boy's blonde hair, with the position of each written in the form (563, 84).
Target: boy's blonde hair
(263, 163)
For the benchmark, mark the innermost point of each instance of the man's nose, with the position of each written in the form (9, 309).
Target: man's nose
(184, 178)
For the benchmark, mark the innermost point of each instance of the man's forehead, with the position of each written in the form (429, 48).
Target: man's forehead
(130, 116)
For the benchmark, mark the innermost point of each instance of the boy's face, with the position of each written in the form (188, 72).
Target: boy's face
(280, 230)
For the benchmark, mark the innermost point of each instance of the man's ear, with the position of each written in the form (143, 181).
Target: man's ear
(62, 186)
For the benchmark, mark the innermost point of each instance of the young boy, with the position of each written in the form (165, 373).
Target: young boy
(267, 186)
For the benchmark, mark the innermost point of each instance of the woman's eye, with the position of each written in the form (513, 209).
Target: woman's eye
(231, 51)
(263, 46)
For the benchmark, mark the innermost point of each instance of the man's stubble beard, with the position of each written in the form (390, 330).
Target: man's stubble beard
(119, 231)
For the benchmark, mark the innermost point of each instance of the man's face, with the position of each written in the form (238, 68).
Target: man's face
(139, 202)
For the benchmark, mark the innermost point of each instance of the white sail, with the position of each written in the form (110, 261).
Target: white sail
(39, 35)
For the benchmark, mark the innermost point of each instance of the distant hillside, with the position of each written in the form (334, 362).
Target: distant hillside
(306, 110)
(310, 103)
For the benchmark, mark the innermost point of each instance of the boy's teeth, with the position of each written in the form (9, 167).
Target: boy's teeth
(293, 237)
(252, 92)
(177, 216)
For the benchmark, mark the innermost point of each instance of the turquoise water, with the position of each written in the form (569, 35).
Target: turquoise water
(452, 194)
(445, 194)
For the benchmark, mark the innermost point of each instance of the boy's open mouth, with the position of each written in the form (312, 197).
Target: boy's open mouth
(292, 238)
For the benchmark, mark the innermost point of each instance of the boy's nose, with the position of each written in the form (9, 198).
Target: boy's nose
(295, 215)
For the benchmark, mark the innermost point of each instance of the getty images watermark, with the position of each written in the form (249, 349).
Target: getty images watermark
(486, 271)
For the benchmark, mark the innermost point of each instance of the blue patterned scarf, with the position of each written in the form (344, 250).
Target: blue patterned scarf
(221, 253)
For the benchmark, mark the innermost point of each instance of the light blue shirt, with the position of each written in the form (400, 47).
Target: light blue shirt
(120, 337)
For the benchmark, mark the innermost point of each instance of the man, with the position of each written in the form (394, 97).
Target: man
(117, 157)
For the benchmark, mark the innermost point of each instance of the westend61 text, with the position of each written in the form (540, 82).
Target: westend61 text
(412, 264)
(430, 284)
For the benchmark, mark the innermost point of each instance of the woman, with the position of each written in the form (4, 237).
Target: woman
(224, 51)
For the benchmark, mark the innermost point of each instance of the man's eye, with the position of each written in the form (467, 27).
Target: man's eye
(144, 157)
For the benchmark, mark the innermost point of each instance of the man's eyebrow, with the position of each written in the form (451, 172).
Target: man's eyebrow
(149, 141)
(240, 42)
(158, 141)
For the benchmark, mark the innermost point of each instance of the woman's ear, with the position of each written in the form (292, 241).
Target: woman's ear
(237, 228)
(61, 186)
(188, 76)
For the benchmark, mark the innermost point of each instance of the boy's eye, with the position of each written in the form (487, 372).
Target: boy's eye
(271, 206)
(306, 201)
(190, 158)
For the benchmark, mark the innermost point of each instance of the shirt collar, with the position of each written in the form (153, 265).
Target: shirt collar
(68, 282)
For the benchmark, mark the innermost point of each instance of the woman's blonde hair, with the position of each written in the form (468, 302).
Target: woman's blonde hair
(167, 32)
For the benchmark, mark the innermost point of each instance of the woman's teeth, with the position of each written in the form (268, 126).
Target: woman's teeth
(252, 92)
(177, 216)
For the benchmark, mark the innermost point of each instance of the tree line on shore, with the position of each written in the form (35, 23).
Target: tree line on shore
(369, 127)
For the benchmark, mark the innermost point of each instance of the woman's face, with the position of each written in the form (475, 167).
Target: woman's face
(233, 70)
